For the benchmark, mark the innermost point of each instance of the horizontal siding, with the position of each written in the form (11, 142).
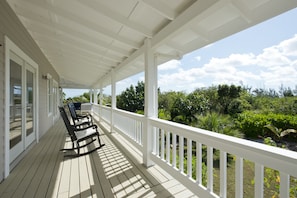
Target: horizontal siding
(11, 27)
(2, 75)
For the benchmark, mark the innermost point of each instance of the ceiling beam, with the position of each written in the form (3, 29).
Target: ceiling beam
(101, 9)
(243, 10)
(182, 21)
(161, 8)
(39, 23)
(66, 43)
(73, 41)
(77, 19)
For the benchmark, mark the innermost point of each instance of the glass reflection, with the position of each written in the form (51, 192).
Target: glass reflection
(15, 132)
(29, 104)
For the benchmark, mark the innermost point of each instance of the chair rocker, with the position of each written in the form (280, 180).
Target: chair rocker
(78, 135)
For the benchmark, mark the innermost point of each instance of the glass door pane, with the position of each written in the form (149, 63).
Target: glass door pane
(16, 114)
(29, 103)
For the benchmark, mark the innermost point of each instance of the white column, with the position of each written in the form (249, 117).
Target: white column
(151, 102)
(91, 95)
(113, 99)
(100, 101)
(95, 96)
(101, 95)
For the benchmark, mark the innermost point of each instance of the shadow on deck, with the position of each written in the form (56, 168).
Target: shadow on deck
(112, 171)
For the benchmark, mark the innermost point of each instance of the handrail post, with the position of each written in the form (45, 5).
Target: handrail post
(100, 102)
(91, 95)
(151, 102)
(95, 96)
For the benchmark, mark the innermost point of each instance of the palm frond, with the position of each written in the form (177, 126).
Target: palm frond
(287, 131)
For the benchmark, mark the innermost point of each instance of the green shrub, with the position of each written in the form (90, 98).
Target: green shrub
(253, 124)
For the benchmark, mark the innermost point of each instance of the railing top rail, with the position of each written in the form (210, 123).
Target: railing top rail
(102, 106)
(130, 114)
(135, 116)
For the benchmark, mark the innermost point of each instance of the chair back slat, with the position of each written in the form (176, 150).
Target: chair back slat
(72, 110)
(69, 127)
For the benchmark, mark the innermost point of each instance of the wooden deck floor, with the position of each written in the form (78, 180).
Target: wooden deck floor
(108, 172)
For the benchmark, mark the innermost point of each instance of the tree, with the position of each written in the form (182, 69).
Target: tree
(286, 92)
(165, 103)
(226, 94)
(186, 107)
(179, 108)
(132, 99)
(211, 95)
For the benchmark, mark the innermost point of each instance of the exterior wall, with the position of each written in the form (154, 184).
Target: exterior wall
(11, 27)
(2, 91)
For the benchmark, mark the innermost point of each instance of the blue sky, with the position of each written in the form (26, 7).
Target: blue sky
(264, 56)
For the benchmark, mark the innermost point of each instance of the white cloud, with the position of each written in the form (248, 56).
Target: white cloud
(276, 65)
(198, 58)
(289, 46)
(170, 65)
(182, 80)
(272, 57)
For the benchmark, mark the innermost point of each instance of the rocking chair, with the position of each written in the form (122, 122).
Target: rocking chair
(77, 118)
(79, 135)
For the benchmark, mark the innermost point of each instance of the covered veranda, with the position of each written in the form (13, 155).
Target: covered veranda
(112, 171)
(92, 44)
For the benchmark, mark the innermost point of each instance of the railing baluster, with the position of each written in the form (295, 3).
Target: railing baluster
(158, 142)
(223, 174)
(162, 144)
(210, 168)
(284, 185)
(259, 179)
(141, 133)
(154, 139)
(133, 126)
(129, 127)
(181, 154)
(189, 157)
(168, 147)
(198, 163)
(239, 177)
(174, 150)
(136, 130)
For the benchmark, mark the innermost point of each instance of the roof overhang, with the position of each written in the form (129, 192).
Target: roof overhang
(86, 40)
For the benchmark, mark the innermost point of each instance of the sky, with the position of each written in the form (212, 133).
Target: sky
(263, 56)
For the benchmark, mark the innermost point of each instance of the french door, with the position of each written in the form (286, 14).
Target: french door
(22, 112)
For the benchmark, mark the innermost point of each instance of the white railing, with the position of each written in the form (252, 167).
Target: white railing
(130, 124)
(104, 113)
(175, 143)
(126, 123)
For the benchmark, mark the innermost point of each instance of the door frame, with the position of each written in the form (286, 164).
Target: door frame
(11, 46)
(29, 139)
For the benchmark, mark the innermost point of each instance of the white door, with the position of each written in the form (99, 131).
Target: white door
(22, 118)
(30, 126)
(16, 116)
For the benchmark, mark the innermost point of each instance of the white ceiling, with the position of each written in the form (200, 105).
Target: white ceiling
(86, 39)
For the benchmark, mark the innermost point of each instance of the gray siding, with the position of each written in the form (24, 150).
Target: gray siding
(1, 103)
(11, 26)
